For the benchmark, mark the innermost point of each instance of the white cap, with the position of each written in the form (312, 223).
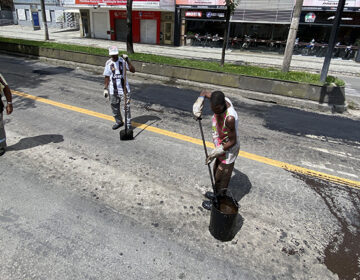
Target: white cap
(113, 50)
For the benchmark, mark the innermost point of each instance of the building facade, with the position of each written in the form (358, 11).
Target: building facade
(256, 18)
(317, 18)
(28, 13)
(267, 20)
(6, 12)
(153, 21)
(262, 19)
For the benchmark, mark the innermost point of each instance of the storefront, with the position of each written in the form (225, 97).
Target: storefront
(317, 18)
(26, 11)
(152, 21)
(266, 19)
(146, 26)
(262, 19)
(198, 17)
(205, 21)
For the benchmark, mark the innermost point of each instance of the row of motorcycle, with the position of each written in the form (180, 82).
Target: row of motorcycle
(247, 42)
(314, 48)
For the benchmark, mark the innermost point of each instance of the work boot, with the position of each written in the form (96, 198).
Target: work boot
(210, 195)
(207, 204)
(117, 125)
(2, 151)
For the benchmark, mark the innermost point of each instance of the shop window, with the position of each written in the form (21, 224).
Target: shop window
(52, 15)
(48, 15)
(27, 14)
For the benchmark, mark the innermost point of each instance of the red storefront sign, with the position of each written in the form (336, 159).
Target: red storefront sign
(137, 16)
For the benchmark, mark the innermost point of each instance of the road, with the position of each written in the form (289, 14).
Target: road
(352, 91)
(76, 203)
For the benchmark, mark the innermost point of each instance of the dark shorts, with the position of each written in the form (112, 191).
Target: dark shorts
(222, 174)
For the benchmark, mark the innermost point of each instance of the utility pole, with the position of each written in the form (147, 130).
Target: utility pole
(292, 36)
(44, 20)
(230, 8)
(333, 36)
(226, 35)
(129, 38)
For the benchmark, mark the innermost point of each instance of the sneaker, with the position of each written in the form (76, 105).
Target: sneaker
(117, 125)
(2, 151)
(210, 195)
(207, 204)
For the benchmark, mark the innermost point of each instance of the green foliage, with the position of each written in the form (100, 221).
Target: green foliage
(256, 71)
(231, 5)
(334, 80)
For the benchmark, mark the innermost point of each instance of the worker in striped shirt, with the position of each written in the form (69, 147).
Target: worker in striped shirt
(114, 84)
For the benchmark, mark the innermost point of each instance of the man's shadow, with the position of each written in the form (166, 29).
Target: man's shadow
(143, 120)
(31, 142)
(239, 186)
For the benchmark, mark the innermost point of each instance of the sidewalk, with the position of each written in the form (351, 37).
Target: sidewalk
(313, 64)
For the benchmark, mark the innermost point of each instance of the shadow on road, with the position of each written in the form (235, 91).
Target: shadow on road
(239, 185)
(31, 142)
(302, 123)
(277, 118)
(29, 74)
(25, 103)
(143, 120)
(167, 96)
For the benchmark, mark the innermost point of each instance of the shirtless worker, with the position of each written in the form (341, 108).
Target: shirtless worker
(4, 87)
(225, 138)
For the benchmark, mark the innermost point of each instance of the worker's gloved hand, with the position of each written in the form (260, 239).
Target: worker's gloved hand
(218, 151)
(125, 57)
(106, 93)
(198, 106)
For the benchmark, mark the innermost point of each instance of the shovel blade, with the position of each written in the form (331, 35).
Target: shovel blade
(126, 134)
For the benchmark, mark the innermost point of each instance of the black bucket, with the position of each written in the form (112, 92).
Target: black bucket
(224, 217)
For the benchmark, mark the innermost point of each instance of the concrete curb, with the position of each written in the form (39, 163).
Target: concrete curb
(325, 96)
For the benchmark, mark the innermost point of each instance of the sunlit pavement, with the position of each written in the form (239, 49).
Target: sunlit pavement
(77, 203)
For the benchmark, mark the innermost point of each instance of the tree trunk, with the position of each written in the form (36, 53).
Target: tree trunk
(129, 38)
(228, 12)
(292, 36)
(43, 13)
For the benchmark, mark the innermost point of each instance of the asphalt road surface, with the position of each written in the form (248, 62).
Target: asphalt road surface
(78, 203)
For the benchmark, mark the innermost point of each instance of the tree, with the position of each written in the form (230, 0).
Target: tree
(6, 5)
(292, 36)
(230, 8)
(44, 20)
(129, 38)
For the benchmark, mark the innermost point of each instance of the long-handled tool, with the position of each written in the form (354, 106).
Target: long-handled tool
(215, 201)
(126, 134)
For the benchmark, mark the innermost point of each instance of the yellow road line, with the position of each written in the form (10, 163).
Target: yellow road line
(268, 161)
